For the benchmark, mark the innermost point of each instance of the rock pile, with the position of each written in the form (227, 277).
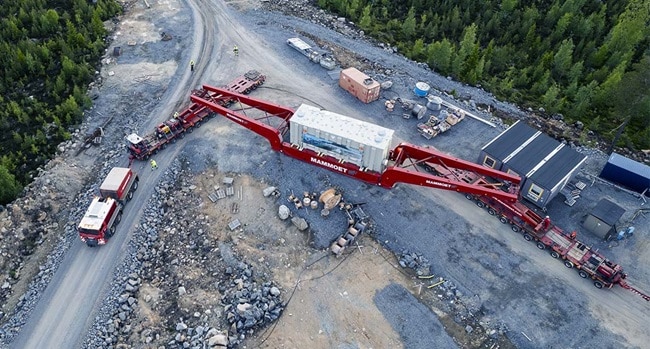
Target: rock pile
(249, 306)
(415, 261)
(164, 255)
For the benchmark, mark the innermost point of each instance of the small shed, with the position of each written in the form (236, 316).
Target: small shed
(628, 173)
(544, 164)
(603, 219)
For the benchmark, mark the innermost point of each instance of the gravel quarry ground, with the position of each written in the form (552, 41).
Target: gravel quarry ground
(176, 276)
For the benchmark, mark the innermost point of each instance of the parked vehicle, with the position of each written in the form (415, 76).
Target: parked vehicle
(105, 211)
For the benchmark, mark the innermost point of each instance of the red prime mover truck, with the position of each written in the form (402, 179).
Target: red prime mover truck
(105, 211)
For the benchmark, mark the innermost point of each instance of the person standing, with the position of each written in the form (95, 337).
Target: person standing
(192, 65)
(154, 165)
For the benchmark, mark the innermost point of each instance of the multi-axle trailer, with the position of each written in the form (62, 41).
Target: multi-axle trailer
(346, 152)
(142, 148)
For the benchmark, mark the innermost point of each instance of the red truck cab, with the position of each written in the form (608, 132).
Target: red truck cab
(100, 221)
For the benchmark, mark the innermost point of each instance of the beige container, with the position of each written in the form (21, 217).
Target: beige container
(359, 85)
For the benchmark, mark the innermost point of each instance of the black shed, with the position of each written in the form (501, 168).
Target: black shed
(603, 218)
(544, 164)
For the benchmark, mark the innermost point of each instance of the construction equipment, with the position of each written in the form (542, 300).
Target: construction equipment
(326, 61)
(437, 125)
(105, 211)
(142, 148)
(351, 155)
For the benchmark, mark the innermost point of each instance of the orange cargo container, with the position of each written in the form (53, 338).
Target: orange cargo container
(359, 85)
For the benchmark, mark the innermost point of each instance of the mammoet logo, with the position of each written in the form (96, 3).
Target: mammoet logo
(439, 184)
(329, 165)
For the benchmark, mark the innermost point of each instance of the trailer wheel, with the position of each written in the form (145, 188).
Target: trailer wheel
(503, 219)
(198, 124)
(469, 197)
(182, 135)
(515, 228)
(163, 146)
(491, 211)
(541, 246)
(583, 274)
(135, 185)
(118, 219)
(480, 204)
(173, 140)
(568, 264)
(554, 254)
(598, 284)
(190, 129)
(527, 237)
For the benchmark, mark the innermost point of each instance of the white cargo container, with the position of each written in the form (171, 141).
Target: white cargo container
(342, 137)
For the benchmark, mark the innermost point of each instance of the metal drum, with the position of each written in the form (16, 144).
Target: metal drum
(421, 89)
(434, 103)
(419, 111)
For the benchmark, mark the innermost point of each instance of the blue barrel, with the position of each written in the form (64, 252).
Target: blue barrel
(421, 89)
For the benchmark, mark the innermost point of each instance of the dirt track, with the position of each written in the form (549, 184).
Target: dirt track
(361, 300)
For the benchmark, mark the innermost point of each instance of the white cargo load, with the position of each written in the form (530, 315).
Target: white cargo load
(342, 137)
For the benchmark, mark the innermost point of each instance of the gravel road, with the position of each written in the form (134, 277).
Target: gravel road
(532, 299)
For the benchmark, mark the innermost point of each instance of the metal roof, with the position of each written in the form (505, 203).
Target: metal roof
(608, 212)
(502, 146)
(563, 163)
(532, 154)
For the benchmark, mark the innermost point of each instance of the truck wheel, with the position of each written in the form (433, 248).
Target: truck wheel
(469, 197)
(198, 124)
(135, 185)
(163, 146)
(527, 237)
(491, 211)
(503, 219)
(173, 140)
(515, 228)
(129, 196)
(568, 264)
(583, 274)
(182, 135)
(554, 254)
(480, 204)
(190, 129)
(111, 231)
(598, 284)
(118, 219)
(541, 246)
